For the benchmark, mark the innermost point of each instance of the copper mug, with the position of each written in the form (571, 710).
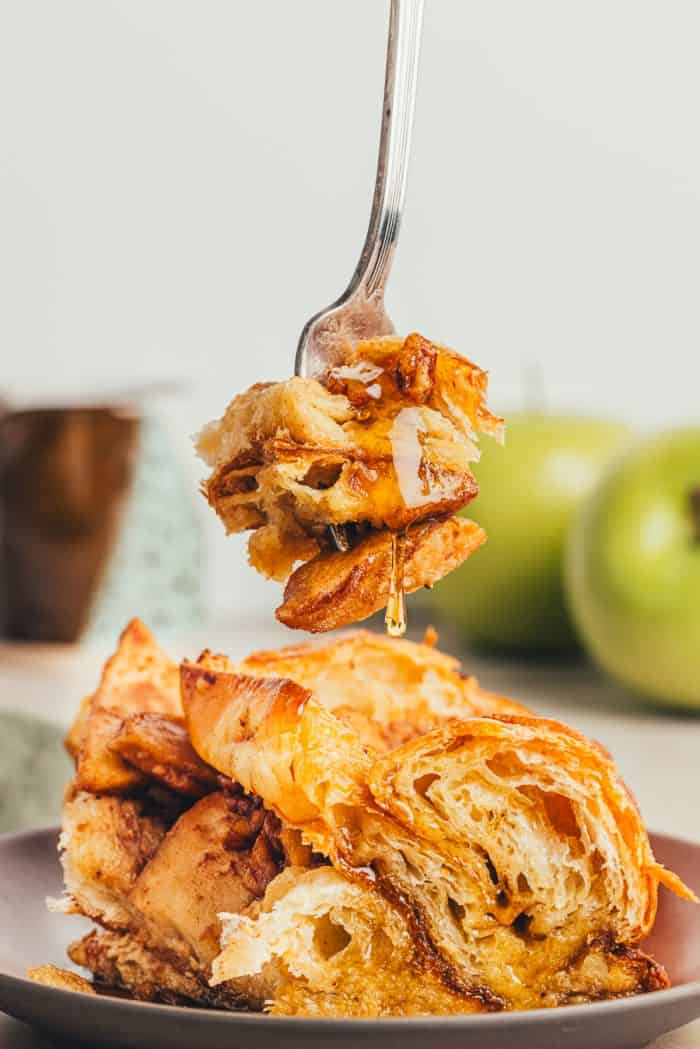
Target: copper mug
(64, 476)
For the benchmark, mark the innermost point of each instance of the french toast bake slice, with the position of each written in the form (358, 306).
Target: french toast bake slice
(353, 828)
(156, 843)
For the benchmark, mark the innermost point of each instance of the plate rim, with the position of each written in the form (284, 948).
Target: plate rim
(559, 1014)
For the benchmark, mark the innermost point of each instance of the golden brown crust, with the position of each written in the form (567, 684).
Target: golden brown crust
(387, 689)
(75, 735)
(337, 589)
(120, 961)
(100, 769)
(386, 837)
(138, 678)
(159, 747)
(271, 736)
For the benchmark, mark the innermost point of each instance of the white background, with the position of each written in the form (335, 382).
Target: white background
(183, 183)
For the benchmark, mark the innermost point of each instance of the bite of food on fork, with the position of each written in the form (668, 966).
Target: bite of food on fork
(355, 475)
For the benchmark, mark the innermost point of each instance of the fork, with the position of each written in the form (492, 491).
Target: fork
(359, 313)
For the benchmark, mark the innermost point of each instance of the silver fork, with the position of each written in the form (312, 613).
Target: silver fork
(359, 312)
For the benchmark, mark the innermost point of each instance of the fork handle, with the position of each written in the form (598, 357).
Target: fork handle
(403, 50)
(359, 312)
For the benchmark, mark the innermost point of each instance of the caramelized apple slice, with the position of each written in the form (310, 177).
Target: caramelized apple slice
(336, 589)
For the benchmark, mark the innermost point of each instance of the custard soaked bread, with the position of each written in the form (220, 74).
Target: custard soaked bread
(352, 829)
(326, 470)
(153, 857)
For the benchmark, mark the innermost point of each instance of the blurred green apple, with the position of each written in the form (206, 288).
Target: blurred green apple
(509, 595)
(633, 569)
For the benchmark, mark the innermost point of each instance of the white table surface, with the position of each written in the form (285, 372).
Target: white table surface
(657, 752)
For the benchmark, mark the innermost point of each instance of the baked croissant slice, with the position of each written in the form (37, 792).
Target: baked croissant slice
(325, 471)
(508, 844)
(354, 828)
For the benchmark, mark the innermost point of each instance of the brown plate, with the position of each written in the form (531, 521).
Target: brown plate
(30, 935)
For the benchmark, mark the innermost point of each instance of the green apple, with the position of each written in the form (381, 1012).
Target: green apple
(633, 569)
(509, 595)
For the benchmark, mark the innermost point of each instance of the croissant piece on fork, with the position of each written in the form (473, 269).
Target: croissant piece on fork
(327, 471)
(352, 829)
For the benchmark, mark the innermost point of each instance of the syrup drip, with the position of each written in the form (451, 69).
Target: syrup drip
(395, 617)
(397, 417)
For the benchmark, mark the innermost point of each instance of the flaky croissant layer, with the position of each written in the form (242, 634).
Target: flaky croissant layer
(509, 844)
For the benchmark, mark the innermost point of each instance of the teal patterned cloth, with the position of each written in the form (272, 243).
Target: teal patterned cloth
(34, 769)
(156, 570)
